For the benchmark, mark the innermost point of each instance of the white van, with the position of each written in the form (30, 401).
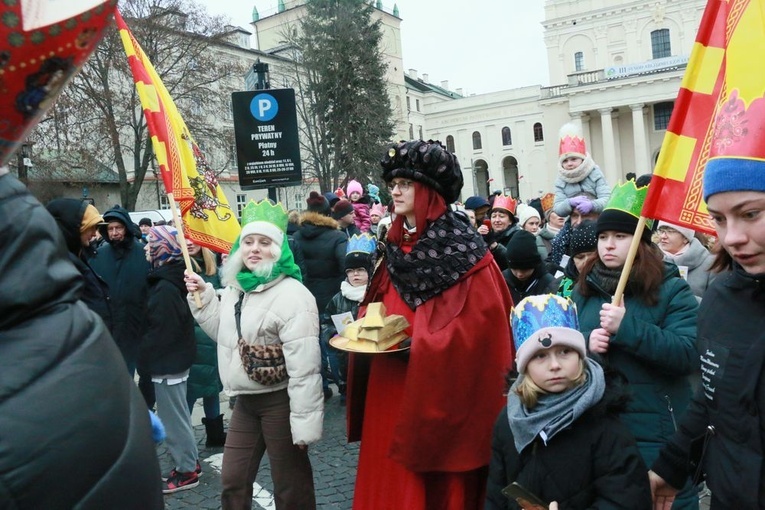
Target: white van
(154, 215)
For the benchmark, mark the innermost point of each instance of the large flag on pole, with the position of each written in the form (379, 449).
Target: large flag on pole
(207, 217)
(723, 44)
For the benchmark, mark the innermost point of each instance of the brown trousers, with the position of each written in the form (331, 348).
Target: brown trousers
(260, 423)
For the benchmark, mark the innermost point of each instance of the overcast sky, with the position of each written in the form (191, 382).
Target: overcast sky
(479, 46)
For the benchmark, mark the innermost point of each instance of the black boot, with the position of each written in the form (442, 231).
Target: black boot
(214, 429)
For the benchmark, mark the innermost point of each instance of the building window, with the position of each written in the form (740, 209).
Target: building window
(450, 144)
(539, 133)
(578, 61)
(419, 132)
(660, 44)
(476, 140)
(507, 138)
(417, 104)
(411, 132)
(661, 115)
(164, 203)
(408, 103)
(241, 201)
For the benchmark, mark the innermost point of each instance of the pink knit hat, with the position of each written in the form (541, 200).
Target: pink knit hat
(355, 187)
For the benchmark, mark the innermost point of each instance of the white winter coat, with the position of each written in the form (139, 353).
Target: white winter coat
(280, 311)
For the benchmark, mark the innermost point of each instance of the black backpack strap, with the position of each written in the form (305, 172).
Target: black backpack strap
(238, 314)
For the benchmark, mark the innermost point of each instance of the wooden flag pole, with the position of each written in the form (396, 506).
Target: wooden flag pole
(628, 262)
(182, 241)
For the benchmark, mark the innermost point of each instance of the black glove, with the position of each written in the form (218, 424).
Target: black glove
(489, 238)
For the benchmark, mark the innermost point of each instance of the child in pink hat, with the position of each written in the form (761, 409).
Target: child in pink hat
(360, 205)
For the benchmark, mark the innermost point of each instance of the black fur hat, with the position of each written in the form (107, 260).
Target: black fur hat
(425, 162)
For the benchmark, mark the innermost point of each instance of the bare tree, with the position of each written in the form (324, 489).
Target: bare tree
(99, 118)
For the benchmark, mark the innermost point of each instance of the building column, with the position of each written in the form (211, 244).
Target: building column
(609, 150)
(641, 150)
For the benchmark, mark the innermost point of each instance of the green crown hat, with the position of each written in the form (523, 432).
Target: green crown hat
(628, 198)
(265, 210)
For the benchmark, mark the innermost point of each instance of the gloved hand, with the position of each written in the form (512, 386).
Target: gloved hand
(157, 429)
(583, 204)
(489, 238)
(585, 207)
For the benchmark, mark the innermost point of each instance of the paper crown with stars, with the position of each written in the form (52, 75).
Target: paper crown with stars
(541, 322)
(264, 218)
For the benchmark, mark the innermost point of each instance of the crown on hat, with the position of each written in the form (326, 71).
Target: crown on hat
(542, 311)
(627, 197)
(504, 202)
(548, 200)
(265, 210)
(571, 140)
(361, 243)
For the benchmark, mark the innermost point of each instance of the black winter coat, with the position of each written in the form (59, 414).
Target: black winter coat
(68, 213)
(594, 463)
(124, 269)
(324, 251)
(74, 431)
(731, 342)
(540, 282)
(169, 344)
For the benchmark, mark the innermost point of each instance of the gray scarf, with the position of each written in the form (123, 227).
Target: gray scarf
(554, 411)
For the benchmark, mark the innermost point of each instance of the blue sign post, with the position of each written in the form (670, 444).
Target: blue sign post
(266, 133)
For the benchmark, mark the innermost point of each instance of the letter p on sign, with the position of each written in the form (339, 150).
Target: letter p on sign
(264, 107)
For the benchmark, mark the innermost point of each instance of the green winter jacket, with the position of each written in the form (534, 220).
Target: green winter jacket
(655, 349)
(203, 378)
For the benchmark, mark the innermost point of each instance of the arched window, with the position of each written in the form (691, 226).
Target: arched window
(476, 140)
(450, 144)
(578, 61)
(507, 137)
(660, 44)
(539, 133)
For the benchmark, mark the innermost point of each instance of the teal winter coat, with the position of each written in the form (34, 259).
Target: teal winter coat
(655, 350)
(204, 380)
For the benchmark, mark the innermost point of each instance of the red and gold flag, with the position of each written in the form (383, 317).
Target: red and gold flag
(207, 217)
(725, 59)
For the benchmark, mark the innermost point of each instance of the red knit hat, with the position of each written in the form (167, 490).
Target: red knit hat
(317, 203)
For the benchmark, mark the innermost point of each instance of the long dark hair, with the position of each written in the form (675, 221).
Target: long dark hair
(723, 261)
(646, 276)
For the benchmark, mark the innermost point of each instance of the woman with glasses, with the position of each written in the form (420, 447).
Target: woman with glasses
(425, 416)
(680, 246)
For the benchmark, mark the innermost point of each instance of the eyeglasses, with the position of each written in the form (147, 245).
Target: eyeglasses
(667, 231)
(403, 186)
(358, 270)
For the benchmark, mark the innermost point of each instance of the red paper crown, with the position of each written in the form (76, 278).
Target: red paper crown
(571, 140)
(548, 200)
(509, 204)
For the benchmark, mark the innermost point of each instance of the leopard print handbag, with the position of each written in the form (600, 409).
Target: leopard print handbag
(264, 363)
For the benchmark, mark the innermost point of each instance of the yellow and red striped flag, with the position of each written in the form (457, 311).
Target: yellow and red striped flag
(725, 61)
(207, 217)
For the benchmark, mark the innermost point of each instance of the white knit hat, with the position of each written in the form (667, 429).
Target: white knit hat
(525, 213)
(687, 233)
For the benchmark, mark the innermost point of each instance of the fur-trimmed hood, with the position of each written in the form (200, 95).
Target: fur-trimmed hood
(318, 220)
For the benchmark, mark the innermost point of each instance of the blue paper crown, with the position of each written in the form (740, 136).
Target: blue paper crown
(544, 311)
(363, 243)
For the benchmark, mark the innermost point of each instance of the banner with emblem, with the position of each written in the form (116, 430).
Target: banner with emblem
(725, 57)
(206, 215)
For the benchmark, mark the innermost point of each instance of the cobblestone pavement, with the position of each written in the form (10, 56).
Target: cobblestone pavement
(333, 460)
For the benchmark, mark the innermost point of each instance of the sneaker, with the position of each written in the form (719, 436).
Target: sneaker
(180, 482)
(174, 472)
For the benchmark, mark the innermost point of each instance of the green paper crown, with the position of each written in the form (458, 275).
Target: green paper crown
(265, 211)
(628, 198)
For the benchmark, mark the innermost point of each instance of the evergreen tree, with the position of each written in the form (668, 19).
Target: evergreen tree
(344, 97)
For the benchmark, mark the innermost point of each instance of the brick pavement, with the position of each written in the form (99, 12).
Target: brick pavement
(333, 460)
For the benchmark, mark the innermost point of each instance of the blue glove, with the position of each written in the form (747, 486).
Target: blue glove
(157, 429)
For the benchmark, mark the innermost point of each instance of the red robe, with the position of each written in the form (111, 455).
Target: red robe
(425, 423)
